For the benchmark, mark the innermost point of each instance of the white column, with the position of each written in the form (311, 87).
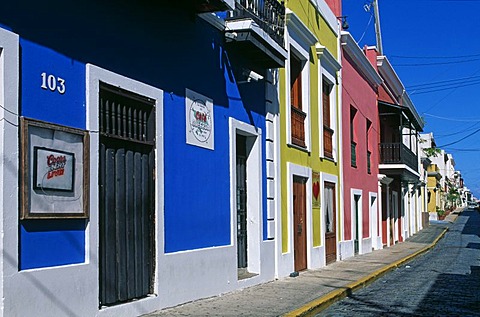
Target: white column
(378, 237)
(388, 213)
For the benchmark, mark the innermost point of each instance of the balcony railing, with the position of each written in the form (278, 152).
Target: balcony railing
(298, 126)
(268, 14)
(353, 154)
(398, 153)
(327, 142)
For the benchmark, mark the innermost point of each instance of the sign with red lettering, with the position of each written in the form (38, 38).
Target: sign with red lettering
(54, 170)
(199, 120)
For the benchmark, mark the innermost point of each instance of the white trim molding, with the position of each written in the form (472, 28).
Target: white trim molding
(314, 254)
(254, 191)
(295, 25)
(359, 223)
(10, 285)
(299, 40)
(328, 68)
(359, 59)
(94, 76)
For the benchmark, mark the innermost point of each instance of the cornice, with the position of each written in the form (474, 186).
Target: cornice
(295, 25)
(324, 54)
(389, 76)
(361, 61)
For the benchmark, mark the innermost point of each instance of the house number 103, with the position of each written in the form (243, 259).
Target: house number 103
(52, 83)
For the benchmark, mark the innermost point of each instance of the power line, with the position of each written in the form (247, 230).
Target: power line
(437, 63)
(435, 83)
(470, 128)
(451, 119)
(448, 94)
(366, 28)
(433, 57)
(445, 87)
(455, 142)
(462, 150)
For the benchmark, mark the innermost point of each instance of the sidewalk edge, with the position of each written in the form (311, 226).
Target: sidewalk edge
(314, 307)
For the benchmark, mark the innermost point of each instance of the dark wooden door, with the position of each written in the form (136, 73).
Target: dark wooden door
(356, 237)
(126, 196)
(330, 223)
(299, 223)
(241, 159)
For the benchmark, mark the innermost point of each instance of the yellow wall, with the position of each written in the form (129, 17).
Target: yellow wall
(431, 184)
(317, 25)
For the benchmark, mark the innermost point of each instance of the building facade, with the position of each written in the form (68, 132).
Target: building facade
(399, 157)
(309, 131)
(142, 139)
(360, 139)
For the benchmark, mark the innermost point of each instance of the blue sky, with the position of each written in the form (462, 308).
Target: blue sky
(444, 35)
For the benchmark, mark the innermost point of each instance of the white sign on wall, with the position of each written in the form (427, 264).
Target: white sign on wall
(199, 120)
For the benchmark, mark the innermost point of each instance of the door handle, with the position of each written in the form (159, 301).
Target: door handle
(299, 228)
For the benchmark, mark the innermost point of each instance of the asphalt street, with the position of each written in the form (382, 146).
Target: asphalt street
(442, 282)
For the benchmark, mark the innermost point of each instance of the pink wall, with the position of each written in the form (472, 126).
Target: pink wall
(335, 6)
(358, 93)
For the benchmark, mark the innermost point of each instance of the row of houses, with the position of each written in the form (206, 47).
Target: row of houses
(156, 153)
(445, 185)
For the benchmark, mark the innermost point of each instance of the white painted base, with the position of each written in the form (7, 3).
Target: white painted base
(378, 245)
(192, 275)
(366, 246)
(346, 249)
(317, 258)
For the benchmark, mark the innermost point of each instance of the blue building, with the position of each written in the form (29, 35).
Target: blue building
(137, 153)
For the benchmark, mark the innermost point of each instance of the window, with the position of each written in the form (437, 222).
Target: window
(327, 130)
(299, 40)
(369, 153)
(297, 115)
(353, 144)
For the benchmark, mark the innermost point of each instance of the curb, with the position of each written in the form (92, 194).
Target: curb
(316, 306)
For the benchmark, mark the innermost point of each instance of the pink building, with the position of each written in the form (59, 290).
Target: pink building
(360, 122)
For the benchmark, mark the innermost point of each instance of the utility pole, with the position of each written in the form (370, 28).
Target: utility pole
(378, 32)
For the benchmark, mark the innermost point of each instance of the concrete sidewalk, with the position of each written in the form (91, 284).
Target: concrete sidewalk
(314, 290)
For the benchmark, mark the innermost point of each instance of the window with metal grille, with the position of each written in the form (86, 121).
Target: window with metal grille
(125, 115)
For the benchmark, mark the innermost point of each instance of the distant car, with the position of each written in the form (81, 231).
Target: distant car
(472, 205)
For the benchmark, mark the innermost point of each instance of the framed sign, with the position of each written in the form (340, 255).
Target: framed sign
(55, 167)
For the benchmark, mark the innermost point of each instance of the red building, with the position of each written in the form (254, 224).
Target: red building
(360, 137)
(399, 174)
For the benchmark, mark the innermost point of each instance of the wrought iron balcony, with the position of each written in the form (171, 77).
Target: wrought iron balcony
(257, 28)
(398, 153)
(203, 6)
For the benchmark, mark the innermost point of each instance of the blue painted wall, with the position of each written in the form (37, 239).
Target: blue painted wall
(67, 108)
(197, 181)
(47, 243)
(164, 47)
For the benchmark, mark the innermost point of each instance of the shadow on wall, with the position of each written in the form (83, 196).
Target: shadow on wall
(166, 47)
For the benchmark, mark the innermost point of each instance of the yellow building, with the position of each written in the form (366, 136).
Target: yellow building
(434, 189)
(308, 129)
